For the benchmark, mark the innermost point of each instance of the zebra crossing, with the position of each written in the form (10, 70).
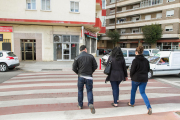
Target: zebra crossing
(53, 96)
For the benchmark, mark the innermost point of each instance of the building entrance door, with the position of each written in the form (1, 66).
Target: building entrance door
(28, 48)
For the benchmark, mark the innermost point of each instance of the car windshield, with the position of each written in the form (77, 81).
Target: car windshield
(146, 53)
(11, 54)
(155, 51)
(153, 59)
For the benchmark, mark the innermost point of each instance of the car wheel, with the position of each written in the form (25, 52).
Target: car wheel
(150, 74)
(179, 74)
(3, 67)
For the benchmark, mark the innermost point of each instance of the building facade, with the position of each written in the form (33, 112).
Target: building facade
(132, 15)
(50, 30)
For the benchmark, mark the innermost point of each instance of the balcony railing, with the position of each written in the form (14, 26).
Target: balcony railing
(131, 33)
(141, 20)
(136, 8)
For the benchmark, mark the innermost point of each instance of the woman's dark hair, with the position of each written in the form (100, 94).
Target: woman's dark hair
(117, 53)
(140, 49)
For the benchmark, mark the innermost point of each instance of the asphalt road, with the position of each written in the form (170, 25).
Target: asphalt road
(9, 74)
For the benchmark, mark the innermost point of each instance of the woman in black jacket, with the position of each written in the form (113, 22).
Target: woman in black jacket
(139, 76)
(118, 72)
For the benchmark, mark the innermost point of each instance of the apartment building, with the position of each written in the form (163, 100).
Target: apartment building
(50, 30)
(132, 15)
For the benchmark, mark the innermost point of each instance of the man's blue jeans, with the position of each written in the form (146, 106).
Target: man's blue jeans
(142, 87)
(89, 87)
(115, 90)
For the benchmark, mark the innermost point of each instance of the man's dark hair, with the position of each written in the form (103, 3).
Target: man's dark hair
(82, 47)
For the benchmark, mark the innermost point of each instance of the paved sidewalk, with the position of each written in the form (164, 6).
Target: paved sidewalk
(33, 66)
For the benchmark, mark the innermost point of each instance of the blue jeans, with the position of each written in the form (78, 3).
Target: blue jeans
(89, 87)
(115, 90)
(142, 87)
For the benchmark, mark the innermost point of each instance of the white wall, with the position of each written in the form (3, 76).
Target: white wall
(60, 10)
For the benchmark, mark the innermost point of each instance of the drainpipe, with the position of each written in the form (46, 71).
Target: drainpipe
(115, 13)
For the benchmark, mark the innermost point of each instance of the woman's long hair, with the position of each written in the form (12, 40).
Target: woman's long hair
(117, 53)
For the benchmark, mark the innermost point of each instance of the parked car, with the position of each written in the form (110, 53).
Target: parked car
(165, 63)
(107, 51)
(153, 51)
(8, 60)
(129, 55)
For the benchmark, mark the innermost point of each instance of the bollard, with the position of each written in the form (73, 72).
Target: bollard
(100, 64)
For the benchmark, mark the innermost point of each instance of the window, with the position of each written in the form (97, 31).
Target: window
(159, 15)
(169, 28)
(66, 38)
(147, 17)
(124, 53)
(74, 6)
(163, 61)
(45, 5)
(146, 53)
(1, 54)
(31, 4)
(112, 1)
(123, 31)
(103, 4)
(134, 19)
(132, 53)
(123, 8)
(11, 54)
(170, 0)
(135, 30)
(123, 45)
(169, 13)
(135, 6)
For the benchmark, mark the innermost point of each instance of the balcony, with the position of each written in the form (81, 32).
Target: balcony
(99, 4)
(98, 23)
(137, 8)
(127, 22)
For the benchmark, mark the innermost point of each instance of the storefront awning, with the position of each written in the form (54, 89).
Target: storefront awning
(176, 40)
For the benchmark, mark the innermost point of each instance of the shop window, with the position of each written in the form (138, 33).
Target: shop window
(123, 45)
(74, 6)
(132, 53)
(45, 5)
(31, 4)
(169, 28)
(66, 38)
(74, 38)
(169, 13)
(163, 61)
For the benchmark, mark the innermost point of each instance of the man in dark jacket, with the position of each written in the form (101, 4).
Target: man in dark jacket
(84, 65)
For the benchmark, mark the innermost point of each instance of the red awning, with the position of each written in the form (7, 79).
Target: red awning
(176, 40)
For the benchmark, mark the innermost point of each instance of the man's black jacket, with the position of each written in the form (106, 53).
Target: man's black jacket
(139, 69)
(84, 64)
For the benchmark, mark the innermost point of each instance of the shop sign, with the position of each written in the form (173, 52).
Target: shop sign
(1, 37)
(89, 33)
(6, 29)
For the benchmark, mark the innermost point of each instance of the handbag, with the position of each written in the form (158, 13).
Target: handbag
(107, 70)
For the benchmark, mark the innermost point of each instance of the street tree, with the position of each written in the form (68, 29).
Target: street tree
(152, 33)
(114, 35)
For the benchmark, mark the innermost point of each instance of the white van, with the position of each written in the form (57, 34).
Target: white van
(164, 63)
(129, 55)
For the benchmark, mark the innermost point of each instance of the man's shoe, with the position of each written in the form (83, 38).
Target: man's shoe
(79, 107)
(92, 108)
